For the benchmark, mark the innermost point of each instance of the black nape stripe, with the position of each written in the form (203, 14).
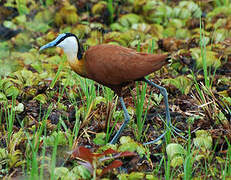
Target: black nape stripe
(80, 47)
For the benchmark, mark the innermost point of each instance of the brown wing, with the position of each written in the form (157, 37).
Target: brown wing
(114, 65)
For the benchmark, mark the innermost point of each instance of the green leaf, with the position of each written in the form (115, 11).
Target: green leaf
(44, 16)
(12, 91)
(210, 57)
(129, 19)
(4, 49)
(118, 27)
(100, 138)
(37, 26)
(185, 14)
(22, 41)
(22, 7)
(98, 8)
(19, 108)
(169, 32)
(2, 97)
(98, 100)
(83, 172)
(49, 2)
(174, 149)
(61, 172)
(128, 144)
(41, 98)
(3, 154)
(21, 19)
(225, 10)
(136, 176)
(220, 160)
(181, 82)
(220, 35)
(63, 138)
(10, 25)
(151, 177)
(182, 33)
(177, 23)
(81, 30)
(203, 139)
(177, 161)
(199, 157)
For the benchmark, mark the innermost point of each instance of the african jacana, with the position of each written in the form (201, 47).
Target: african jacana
(112, 66)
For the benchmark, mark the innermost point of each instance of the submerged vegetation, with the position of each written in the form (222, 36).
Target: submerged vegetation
(56, 125)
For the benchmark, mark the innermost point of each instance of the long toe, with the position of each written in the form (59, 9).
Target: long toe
(177, 131)
(156, 140)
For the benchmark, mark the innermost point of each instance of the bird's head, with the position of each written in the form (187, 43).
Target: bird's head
(69, 43)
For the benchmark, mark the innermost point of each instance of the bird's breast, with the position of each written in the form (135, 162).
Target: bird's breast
(78, 66)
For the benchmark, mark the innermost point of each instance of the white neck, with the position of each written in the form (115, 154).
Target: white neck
(70, 48)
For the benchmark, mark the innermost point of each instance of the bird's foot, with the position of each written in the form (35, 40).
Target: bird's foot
(156, 140)
(172, 129)
(177, 131)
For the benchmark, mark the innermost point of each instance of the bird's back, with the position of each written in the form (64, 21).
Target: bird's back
(114, 65)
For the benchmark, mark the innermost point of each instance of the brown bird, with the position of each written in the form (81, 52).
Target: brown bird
(112, 66)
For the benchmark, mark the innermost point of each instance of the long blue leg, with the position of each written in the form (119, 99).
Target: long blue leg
(165, 95)
(163, 91)
(126, 121)
(127, 118)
